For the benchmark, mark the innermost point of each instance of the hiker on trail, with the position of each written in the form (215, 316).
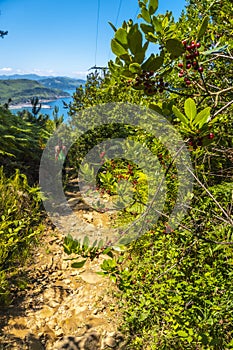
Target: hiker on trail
(60, 151)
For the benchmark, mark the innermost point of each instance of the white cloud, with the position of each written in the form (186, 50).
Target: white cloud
(80, 74)
(44, 72)
(6, 69)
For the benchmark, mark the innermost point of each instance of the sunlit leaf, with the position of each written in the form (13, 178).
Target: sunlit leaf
(153, 63)
(153, 6)
(203, 27)
(190, 109)
(121, 37)
(78, 265)
(175, 47)
(179, 115)
(202, 117)
(117, 48)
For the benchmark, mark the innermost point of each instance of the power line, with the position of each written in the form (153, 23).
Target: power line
(115, 24)
(118, 12)
(97, 29)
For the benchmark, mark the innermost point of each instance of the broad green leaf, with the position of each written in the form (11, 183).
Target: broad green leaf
(145, 15)
(152, 63)
(86, 242)
(139, 57)
(202, 117)
(157, 25)
(135, 68)
(121, 37)
(215, 50)
(146, 28)
(117, 49)
(180, 115)
(190, 109)
(134, 38)
(153, 6)
(175, 47)
(78, 265)
(156, 108)
(203, 27)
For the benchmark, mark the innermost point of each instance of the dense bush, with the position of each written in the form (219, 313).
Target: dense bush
(22, 142)
(176, 284)
(20, 225)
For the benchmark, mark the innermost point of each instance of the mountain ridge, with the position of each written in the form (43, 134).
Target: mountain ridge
(36, 77)
(45, 88)
(23, 90)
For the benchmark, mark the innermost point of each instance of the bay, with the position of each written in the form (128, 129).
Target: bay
(51, 105)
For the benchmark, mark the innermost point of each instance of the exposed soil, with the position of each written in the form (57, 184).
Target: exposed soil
(63, 307)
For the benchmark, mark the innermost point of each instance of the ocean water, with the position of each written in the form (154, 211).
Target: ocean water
(52, 104)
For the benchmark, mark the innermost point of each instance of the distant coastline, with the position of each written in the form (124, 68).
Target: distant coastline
(29, 105)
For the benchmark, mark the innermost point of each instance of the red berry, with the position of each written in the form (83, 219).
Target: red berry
(193, 46)
(180, 65)
(196, 53)
(188, 47)
(181, 73)
(200, 69)
(190, 143)
(189, 57)
(188, 65)
(184, 42)
(192, 42)
(188, 82)
(198, 45)
(210, 136)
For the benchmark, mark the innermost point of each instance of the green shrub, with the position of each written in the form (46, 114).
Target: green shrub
(20, 224)
(180, 295)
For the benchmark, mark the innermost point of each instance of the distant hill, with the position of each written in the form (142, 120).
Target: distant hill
(63, 83)
(23, 76)
(67, 82)
(22, 90)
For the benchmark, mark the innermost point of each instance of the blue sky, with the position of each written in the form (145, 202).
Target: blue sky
(57, 37)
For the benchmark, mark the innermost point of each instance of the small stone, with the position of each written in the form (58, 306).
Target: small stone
(53, 303)
(90, 277)
(110, 342)
(66, 281)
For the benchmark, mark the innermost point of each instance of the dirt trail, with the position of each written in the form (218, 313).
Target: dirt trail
(63, 307)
